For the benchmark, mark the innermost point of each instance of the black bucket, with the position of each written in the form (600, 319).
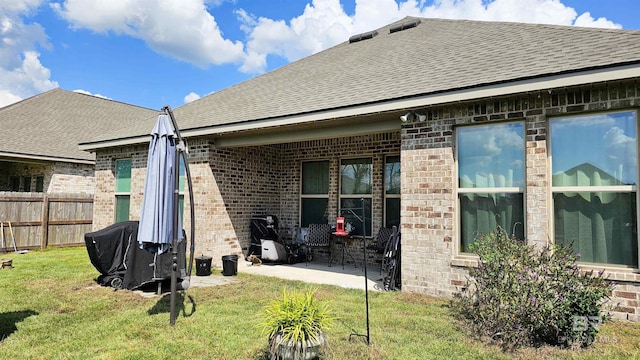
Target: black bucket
(203, 265)
(229, 265)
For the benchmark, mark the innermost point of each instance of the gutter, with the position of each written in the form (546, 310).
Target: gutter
(546, 83)
(10, 156)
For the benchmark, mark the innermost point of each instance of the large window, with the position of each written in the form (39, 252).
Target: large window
(594, 165)
(356, 179)
(314, 194)
(392, 191)
(490, 179)
(123, 189)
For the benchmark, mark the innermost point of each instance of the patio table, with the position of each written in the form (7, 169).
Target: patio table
(340, 238)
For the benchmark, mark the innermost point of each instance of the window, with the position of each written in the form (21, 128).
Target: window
(356, 179)
(392, 191)
(490, 179)
(39, 183)
(15, 183)
(314, 194)
(27, 184)
(123, 189)
(594, 166)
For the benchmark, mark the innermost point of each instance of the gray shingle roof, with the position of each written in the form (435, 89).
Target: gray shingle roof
(51, 124)
(437, 56)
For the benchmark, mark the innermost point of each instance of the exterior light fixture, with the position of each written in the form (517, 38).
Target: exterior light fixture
(411, 116)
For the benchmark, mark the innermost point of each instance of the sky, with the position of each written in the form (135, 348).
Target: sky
(153, 53)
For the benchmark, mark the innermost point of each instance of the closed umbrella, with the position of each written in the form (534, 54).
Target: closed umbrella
(159, 220)
(155, 231)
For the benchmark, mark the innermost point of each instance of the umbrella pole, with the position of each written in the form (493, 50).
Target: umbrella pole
(174, 244)
(176, 209)
(180, 151)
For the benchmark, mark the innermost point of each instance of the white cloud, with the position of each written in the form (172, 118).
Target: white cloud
(184, 29)
(21, 72)
(191, 97)
(587, 21)
(19, 6)
(25, 80)
(80, 91)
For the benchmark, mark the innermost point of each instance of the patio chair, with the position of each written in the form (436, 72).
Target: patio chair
(318, 236)
(380, 242)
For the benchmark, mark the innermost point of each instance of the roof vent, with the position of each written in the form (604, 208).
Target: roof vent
(363, 36)
(405, 26)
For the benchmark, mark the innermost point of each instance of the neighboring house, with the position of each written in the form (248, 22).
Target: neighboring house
(46, 182)
(446, 127)
(39, 140)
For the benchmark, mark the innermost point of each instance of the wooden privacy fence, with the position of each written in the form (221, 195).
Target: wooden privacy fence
(39, 220)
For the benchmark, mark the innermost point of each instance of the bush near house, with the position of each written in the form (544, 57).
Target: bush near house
(519, 296)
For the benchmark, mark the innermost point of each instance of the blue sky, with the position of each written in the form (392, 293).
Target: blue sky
(156, 52)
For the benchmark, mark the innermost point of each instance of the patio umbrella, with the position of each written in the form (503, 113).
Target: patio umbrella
(160, 223)
(155, 231)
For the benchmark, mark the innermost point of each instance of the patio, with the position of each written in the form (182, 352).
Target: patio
(316, 272)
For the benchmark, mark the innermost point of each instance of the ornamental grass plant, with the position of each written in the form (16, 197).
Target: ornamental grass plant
(520, 296)
(297, 321)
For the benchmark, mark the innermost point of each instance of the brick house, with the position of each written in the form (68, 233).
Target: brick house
(40, 135)
(446, 127)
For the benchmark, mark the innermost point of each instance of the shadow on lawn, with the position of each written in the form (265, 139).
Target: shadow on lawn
(8, 321)
(164, 305)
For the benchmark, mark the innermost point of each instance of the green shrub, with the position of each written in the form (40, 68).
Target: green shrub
(520, 296)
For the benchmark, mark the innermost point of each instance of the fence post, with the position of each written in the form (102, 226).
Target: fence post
(45, 222)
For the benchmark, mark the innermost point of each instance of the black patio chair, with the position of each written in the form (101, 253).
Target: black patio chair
(318, 236)
(381, 239)
(380, 242)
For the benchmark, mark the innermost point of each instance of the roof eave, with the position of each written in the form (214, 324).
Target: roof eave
(22, 157)
(543, 83)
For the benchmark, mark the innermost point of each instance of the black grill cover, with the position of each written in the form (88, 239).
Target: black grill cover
(115, 253)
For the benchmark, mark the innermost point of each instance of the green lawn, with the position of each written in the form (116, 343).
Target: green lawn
(51, 308)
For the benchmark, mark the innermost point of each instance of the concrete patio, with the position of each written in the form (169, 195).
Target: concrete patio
(317, 272)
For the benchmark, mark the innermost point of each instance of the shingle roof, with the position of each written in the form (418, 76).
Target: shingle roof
(50, 125)
(437, 56)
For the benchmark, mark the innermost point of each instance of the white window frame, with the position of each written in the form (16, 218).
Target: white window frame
(369, 196)
(590, 189)
(486, 190)
(121, 194)
(312, 196)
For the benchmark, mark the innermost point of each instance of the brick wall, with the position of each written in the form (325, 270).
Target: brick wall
(70, 178)
(105, 183)
(59, 177)
(431, 263)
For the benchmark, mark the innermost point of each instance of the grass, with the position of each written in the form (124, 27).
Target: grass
(52, 308)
